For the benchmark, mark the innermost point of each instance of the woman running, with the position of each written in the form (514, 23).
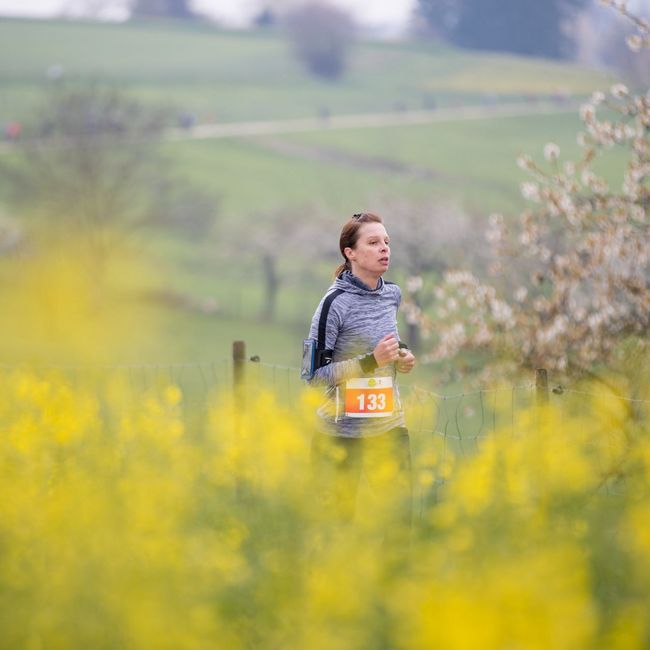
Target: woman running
(355, 351)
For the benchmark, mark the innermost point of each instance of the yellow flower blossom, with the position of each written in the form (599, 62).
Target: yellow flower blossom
(121, 521)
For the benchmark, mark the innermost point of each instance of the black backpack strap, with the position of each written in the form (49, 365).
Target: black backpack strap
(324, 313)
(322, 356)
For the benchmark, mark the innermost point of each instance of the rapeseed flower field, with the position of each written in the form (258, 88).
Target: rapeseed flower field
(128, 521)
(120, 527)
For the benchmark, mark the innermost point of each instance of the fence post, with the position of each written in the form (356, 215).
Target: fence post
(238, 371)
(541, 386)
(239, 359)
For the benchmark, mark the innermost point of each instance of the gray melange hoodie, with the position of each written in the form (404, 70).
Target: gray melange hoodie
(358, 319)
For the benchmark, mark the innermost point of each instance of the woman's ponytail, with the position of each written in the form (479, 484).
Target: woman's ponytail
(346, 266)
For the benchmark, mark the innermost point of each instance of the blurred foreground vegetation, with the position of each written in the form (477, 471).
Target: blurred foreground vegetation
(123, 525)
(145, 507)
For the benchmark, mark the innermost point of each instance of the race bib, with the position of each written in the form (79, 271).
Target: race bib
(369, 398)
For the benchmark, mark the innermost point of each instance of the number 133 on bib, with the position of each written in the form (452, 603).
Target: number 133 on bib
(369, 398)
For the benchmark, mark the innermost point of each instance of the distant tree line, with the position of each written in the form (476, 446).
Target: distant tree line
(527, 27)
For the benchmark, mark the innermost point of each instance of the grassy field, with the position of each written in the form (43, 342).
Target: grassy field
(249, 75)
(234, 76)
(260, 173)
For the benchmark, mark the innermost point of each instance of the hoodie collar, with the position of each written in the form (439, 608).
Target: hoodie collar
(351, 283)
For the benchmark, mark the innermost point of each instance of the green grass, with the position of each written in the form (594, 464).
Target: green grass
(251, 75)
(227, 75)
(471, 162)
(474, 159)
(250, 179)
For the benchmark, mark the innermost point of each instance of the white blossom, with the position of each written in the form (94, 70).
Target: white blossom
(502, 313)
(412, 313)
(495, 231)
(551, 152)
(540, 304)
(566, 204)
(638, 213)
(459, 277)
(454, 337)
(597, 98)
(557, 328)
(594, 320)
(635, 42)
(530, 191)
(525, 162)
(414, 283)
(525, 238)
(587, 177)
(587, 113)
(520, 294)
(495, 219)
(544, 254)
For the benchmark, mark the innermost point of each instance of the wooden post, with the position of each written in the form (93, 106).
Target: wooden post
(239, 378)
(239, 401)
(541, 386)
(238, 363)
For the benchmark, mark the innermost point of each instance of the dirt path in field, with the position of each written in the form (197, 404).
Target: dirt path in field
(264, 134)
(365, 120)
(359, 121)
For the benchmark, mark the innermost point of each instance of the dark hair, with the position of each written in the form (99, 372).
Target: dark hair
(350, 235)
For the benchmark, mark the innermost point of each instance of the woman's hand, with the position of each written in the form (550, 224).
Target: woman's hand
(405, 361)
(387, 350)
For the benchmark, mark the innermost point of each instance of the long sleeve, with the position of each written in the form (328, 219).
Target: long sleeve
(335, 372)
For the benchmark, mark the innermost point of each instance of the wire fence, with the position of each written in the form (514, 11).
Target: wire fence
(461, 419)
(446, 425)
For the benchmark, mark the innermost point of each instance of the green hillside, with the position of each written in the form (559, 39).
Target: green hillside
(227, 75)
(237, 76)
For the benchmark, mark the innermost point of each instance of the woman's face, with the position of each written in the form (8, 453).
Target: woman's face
(371, 253)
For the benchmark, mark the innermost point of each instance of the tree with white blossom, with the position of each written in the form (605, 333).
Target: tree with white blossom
(571, 278)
